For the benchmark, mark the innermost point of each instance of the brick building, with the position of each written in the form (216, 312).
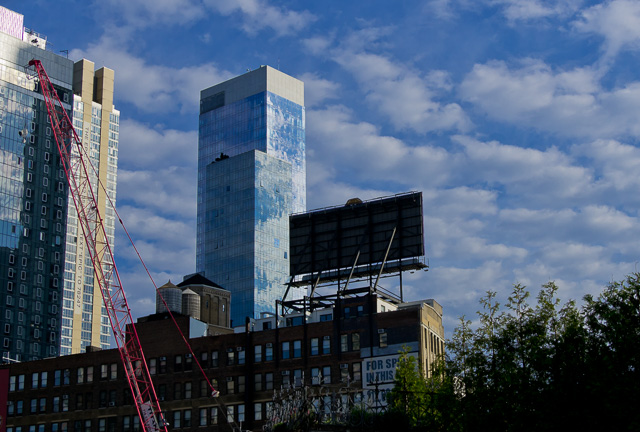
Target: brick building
(347, 342)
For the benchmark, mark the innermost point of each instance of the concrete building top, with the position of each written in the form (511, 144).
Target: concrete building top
(265, 78)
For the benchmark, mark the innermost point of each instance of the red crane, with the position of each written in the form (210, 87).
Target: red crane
(84, 198)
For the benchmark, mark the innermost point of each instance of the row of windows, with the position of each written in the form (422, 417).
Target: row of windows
(207, 416)
(63, 377)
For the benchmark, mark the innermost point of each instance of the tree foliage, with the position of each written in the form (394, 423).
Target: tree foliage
(537, 365)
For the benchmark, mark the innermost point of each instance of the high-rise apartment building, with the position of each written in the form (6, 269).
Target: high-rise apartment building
(84, 318)
(33, 196)
(49, 302)
(251, 177)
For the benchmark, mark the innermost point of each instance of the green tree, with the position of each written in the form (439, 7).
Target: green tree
(409, 391)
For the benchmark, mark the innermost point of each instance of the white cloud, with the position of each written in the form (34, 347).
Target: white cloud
(515, 11)
(151, 88)
(143, 146)
(317, 89)
(569, 103)
(170, 190)
(617, 166)
(617, 21)
(338, 145)
(143, 13)
(528, 10)
(405, 95)
(258, 15)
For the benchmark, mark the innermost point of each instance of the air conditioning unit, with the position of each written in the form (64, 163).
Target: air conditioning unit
(381, 331)
(285, 372)
(112, 404)
(187, 355)
(269, 345)
(344, 366)
(163, 359)
(239, 349)
(229, 378)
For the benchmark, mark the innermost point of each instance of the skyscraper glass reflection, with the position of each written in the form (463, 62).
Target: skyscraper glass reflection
(251, 177)
(33, 196)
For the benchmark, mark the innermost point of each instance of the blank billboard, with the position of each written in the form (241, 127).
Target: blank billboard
(330, 239)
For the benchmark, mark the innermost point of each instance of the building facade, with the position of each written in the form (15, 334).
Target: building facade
(349, 347)
(251, 177)
(33, 196)
(84, 319)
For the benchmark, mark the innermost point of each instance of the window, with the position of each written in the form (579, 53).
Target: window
(214, 416)
(344, 344)
(241, 382)
(297, 348)
(153, 366)
(186, 418)
(57, 376)
(383, 339)
(355, 341)
(230, 385)
(314, 346)
(231, 358)
(344, 372)
(113, 371)
(89, 374)
(326, 317)
(241, 357)
(187, 390)
(297, 377)
(326, 345)
(257, 411)
(257, 382)
(257, 353)
(35, 380)
(214, 359)
(162, 365)
(269, 352)
(268, 381)
(203, 417)
(357, 368)
(326, 374)
(177, 391)
(286, 350)
(241, 412)
(315, 376)
(177, 364)
(177, 416)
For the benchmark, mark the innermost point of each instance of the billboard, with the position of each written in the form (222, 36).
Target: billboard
(378, 375)
(331, 239)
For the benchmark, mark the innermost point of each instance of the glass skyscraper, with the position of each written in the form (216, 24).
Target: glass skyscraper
(49, 301)
(33, 196)
(251, 177)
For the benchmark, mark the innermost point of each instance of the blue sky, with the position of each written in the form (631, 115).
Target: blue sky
(517, 119)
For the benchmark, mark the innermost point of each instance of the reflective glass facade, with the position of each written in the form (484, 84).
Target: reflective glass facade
(251, 177)
(33, 204)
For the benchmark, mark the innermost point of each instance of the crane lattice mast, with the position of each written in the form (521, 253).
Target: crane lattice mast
(83, 194)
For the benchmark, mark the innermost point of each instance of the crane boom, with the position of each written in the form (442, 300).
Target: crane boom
(83, 193)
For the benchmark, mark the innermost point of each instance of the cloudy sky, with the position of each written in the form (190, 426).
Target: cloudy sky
(519, 120)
